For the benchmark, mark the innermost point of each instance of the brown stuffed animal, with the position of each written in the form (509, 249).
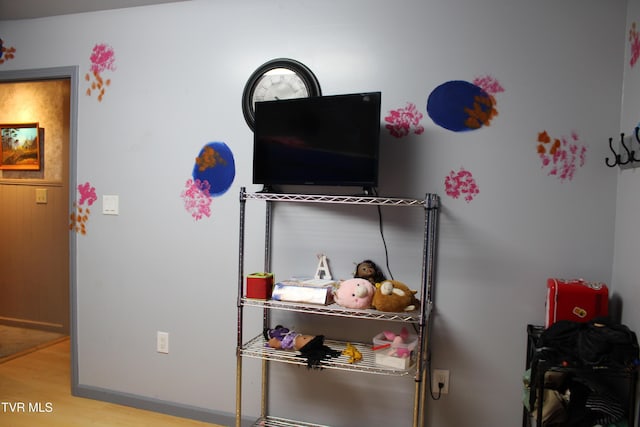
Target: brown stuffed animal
(394, 296)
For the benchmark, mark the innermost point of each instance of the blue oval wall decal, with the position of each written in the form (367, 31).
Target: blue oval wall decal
(460, 106)
(215, 164)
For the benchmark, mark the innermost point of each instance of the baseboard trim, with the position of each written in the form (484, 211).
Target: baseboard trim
(155, 405)
(33, 324)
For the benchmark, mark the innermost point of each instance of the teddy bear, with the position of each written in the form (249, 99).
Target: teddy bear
(394, 296)
(354, 293)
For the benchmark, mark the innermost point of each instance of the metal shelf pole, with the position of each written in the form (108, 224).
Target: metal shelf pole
(240, 307)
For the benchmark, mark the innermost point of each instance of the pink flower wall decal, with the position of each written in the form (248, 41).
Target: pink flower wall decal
(197, 200)
(489, 84)
(634, 44)
(561, 156)
(102, 59)
(403, 121)
(80, 215)
(461, 183)
(87, 194)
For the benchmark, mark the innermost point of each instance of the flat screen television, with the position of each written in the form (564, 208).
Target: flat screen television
(324, 140)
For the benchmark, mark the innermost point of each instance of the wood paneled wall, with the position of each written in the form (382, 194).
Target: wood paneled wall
(34, 256)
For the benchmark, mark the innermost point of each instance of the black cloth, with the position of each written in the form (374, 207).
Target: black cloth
(315, 351)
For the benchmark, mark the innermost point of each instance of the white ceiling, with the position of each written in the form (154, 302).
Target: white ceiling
(27, 9)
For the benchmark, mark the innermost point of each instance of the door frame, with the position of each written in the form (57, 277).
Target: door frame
(72, 73)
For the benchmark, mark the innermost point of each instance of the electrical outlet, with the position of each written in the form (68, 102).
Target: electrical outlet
(162, 342)
(440, 376)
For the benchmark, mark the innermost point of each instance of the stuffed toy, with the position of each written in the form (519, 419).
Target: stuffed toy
(397, 344)
(352, 353)
(368, 269)
(394, 296)
(354, 293)
(310, 347)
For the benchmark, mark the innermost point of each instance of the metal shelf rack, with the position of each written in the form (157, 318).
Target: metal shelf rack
(336, 310)
(256, 348)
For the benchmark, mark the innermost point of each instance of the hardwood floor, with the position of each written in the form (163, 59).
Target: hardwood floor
(35, 391)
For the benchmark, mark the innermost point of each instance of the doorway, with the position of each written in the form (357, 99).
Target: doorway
(38, 251)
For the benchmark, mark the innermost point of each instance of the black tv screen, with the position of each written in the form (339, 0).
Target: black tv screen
(323, 140)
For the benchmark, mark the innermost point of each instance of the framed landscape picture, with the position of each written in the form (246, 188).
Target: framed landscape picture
(20, 146)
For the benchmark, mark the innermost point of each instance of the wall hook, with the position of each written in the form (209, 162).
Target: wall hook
(629, 153)
(634, 158)
(616, 155)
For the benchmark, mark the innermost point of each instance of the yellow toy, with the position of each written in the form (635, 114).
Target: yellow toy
(352, 352)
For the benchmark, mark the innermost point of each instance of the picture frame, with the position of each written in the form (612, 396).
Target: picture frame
(21, 146)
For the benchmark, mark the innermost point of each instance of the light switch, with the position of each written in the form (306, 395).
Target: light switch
(41, 195)
(110, 205)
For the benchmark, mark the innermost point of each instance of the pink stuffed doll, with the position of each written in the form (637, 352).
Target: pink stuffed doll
(354, 293)
(397, 344)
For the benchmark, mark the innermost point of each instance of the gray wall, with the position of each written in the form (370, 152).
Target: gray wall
(625, 265)
(180, 71)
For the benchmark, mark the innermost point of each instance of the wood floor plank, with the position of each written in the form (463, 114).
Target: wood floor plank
(35, 391)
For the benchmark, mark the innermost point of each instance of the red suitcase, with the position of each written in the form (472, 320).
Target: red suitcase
(575, 300)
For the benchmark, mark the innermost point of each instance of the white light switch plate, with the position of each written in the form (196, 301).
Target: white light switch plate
(110, 205)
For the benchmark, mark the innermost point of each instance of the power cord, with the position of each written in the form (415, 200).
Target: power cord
(386, 256)
(440, 387)
(384, 242)
(430, 380)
